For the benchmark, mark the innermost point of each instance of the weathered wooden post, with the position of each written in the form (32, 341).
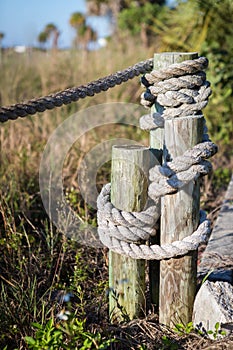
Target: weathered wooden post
(179, 218)
(161, 61)
(129, 184)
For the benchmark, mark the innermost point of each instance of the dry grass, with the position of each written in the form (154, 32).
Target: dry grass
(35, 259)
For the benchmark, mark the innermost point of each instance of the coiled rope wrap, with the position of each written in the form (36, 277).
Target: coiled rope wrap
(108, 232)
(183, 91)
(171, 177)
(134, 226)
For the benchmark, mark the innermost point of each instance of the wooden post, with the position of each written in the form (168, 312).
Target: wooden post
(161, 61)
(179, 218)
(129, 185)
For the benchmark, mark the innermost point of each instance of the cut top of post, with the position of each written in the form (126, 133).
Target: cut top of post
(165, 59)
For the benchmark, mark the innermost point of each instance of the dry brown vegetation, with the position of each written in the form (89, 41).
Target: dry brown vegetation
(35, 259)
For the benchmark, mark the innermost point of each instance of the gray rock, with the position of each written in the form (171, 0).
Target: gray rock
(213, 304)
(217, 259)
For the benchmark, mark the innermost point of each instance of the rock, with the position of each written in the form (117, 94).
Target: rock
(217, 259)
(213, 304)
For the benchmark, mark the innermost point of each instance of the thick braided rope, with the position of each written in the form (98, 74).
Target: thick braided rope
(181, 89)
(183, 95)
(130, 226)
(177, 69)
(119, 230)
(109, 237)
(73, 94)
(172, 176)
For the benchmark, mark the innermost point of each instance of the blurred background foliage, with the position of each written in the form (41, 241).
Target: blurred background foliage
(204, 26)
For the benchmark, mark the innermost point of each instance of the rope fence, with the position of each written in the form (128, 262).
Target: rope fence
(183, 90)
(176, 94)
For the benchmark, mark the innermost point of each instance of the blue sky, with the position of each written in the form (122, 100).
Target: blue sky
(22, 20)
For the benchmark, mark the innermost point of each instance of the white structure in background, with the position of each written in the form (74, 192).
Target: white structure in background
(102, 42)
(20, 49)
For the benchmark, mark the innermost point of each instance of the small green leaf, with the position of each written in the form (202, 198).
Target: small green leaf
(37, 325)
(49, 325)
(30, 340)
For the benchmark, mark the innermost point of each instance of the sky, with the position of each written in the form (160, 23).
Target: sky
(22, 20)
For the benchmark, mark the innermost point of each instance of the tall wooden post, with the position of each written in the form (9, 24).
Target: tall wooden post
(129, 184)
(161, 61)
(179, 218)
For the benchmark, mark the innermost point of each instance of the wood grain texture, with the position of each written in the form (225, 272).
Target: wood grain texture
(129, 185)
(161, 61)
(179, 218)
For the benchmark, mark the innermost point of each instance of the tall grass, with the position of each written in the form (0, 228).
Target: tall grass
(36, 260)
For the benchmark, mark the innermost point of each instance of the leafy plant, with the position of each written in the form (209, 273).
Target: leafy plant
(184, 329)
(168, 344)
(68, 334)
(221, 178)
(217, 331)
(120, 309)
(140, 20)
(189, 328)
(47, 337)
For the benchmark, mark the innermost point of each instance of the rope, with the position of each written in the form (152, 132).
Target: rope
(73, 94)
(182, 90)
(109, 236)
(171, 177)
(120, 230)
(132, 226)
(176, 69)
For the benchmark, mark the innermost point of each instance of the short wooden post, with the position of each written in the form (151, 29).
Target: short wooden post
(179, 218)
(129, 184)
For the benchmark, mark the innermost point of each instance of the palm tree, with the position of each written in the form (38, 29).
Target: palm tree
(88, 34)
(84, 33)
(51, 30)
(112, 8)
(1, 37)
(77, 21)
(42, 38)
(98, 7)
